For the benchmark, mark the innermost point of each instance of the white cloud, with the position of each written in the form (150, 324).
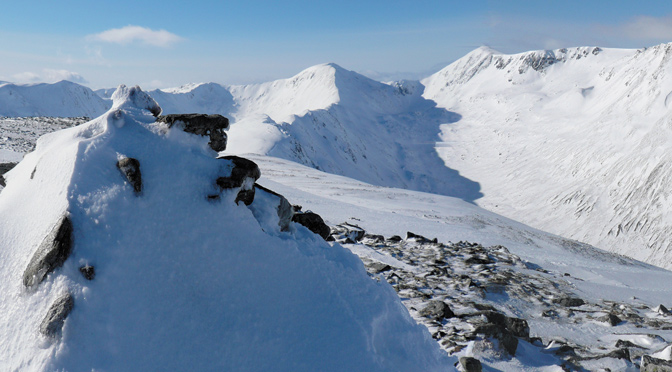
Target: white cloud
(645, 27)
(58, 75)
(130, 34)
(48, 76)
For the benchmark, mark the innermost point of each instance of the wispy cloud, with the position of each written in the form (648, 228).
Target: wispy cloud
(131, 34)
(49, 76)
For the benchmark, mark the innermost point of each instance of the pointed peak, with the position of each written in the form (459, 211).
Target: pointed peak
(134, 97)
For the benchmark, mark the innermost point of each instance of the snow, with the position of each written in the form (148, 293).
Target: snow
(579, 147)
(175, 272)
(592, 273)
(63, 99)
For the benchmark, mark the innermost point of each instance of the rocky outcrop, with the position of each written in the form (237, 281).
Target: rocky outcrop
(239, 173)
(4, 168)
(53, 322)
(651, 364)
(130, 169)
(313, 222)
(201, 124)
(469, 364)
(346, 233)
(279, 203)
(88, 271)
(51, 254)
(437, 310)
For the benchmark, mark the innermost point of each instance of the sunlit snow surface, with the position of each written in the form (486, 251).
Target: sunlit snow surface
(593, 274)
(182, 283)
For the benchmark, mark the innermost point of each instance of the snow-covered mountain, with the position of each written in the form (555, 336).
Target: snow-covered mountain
(123, 249)
(64, 99)
(573, 141)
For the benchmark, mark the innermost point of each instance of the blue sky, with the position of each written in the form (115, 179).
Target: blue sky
(169, 43)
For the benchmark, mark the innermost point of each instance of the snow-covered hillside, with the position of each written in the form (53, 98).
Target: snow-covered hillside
(573, 141)
(121, 248)
(64, 99)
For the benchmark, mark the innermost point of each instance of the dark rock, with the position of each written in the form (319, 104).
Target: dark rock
(479, 260)
(470, 364)
(518, 327)
(618, 354)
(242, 174)
(651, 364)
(281, 205)
(395, 238)
(202, 125)
(374, 239)
(51, 254)
(379, 267)
(130, 169)
(569, 301)
(624, 343)
(88, 271)
(347, 231)
(53, 322)
(662, 310)
(420, 238)
(515, 326)
(4, 168)
(313, 222)
(437, 310)
(611, 319)
(508, 342)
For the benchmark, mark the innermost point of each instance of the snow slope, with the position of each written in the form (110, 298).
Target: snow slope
(589, 273)
(175, 271)
(341, 122)
(64, 99)
(573, 141)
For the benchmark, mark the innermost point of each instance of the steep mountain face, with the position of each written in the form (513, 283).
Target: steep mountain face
(122, 250)
(573, 141)
(64, 99)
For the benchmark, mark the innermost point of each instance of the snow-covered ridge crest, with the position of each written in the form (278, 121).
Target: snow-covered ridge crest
(134, 98)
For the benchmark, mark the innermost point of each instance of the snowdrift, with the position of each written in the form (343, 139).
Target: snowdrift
(174, 274)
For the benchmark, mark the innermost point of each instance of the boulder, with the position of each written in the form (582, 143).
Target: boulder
(651, 364)
(569, 301)
(4, 168)
(347, 233)
(242, 173)
(437, 310)
(88, 271)
(379, 267)
(469, 364)
(279, 203)
(419, 238)
(313, 222)
(53, 322)
(130, 169)
(611, 319)
(202, 125)
(51, 254)
(662, 310)
(516, 326)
